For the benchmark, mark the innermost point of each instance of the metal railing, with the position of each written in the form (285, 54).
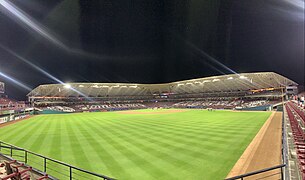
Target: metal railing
(285, 145)
(259, 172)
(48, 165)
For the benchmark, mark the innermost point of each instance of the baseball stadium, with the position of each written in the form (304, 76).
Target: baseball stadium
(221, 127)
(152, 90)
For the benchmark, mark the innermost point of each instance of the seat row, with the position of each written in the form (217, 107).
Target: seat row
(298, 137)
(300, 112)
(17, 171)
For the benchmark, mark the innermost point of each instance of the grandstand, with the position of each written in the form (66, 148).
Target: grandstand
(264, 91)
(10, 109)
(241, 91)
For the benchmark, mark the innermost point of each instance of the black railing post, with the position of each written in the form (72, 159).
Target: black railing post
(25, 157)
(6, 146)
(11, 154)
(70, 172)
(45, 164)
(282, 177)
(257, 172)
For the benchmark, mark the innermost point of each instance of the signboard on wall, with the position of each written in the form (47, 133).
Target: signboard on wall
(1, 87)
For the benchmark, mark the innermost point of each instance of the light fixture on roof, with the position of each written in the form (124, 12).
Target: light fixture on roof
(81, 86)
(133, 86)
(230, 78)
(242, 77)
(180, 84)
(215, 80)
(206, 81)
(189, 83)
(67, 86)
(123, 86)
(105, 86)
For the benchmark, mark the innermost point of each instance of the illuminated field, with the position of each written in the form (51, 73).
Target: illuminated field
(144, 144)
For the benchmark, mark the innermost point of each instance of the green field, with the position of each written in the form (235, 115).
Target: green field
(195, 144)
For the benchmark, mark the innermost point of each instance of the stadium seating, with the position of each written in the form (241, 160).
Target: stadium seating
(221, 104)
(9, 104)
(18, 171)
(299, 111)
(96, 107)
(298, 135)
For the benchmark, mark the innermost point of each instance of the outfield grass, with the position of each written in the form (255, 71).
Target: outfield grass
(195, 144)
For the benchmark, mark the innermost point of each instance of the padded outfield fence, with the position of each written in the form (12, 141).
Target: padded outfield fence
(48, 165)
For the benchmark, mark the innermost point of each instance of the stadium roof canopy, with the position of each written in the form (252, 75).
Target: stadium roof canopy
(223, 83)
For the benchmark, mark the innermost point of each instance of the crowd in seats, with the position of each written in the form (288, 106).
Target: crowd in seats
(12, 170)
(249, 104)
(157, 104)
(222, 104)
(9, 104)
(298, 136)
(200, 104)
(61, 108)
(97, 107)
(207, 104)
(109, 107)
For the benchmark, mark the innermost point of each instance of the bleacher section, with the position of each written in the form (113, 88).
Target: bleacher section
(297, 121)
(93, 107)
(214, 104)
(13, 170)
(10, 104)
(233, 104)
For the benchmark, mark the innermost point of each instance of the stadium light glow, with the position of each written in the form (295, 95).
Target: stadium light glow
(67, 86)
(206, 81)
(230, 78)
(296, 3)
(95, 86)
(189, 83)
(41, 70)
(14, 81)
(31, 64)
(134, 86)
(180, 84)
(215, 80)
(22, 18)
(242, 77)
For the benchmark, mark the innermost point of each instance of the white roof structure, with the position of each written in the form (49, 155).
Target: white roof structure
(224, 83)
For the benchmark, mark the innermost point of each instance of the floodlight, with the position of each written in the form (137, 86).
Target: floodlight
(67, 86)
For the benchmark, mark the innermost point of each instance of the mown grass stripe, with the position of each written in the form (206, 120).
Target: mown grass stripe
(195, 144)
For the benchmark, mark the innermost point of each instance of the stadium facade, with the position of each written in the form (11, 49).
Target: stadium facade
(233, 85)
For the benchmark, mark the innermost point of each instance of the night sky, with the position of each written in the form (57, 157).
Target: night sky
(150, 41)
